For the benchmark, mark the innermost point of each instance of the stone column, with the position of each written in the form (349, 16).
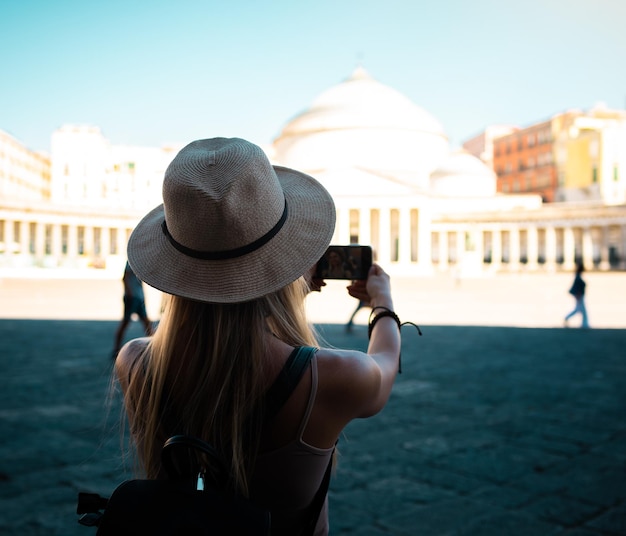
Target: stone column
(105, 242)
(57, 252)
(121, 241)
(604, 248)
(496, 248)
(365, 235)
(384, 253)
(424, 241)
(9, 246)
(343, 228)
(587, 249)
(24, 238)
(460, 247)
(88, 241)
(550, 248)
(514, 249)
(404, 237)
(622, 252)
(40, 240)
(72, 242)
(568, 248)
(443, 249)
(479, 244)
(532, 247)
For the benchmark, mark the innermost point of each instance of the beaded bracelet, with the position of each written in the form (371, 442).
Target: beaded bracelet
(388, 312)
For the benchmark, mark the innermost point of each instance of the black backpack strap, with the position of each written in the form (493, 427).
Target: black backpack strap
(288, 378)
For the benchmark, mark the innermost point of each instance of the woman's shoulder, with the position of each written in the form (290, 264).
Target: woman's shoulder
(128, 357)
(347, 377)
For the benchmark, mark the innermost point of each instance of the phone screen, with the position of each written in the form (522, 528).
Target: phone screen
(345, 262)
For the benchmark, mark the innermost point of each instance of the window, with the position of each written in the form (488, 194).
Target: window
(615, 173)
(594, 174)
(395, 234)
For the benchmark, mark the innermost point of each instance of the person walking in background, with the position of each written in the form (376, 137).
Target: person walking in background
(359, 306)
(578, 291)
(134, 303)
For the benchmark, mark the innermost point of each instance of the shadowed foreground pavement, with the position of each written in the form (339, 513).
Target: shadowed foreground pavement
(489, 431)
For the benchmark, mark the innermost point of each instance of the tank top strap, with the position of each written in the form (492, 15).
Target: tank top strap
(311, 402)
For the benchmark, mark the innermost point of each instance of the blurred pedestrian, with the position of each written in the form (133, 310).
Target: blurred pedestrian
(134, 304)
(578, 291)
(359, 306)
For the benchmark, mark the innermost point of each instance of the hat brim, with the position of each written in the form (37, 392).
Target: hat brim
(298, 245)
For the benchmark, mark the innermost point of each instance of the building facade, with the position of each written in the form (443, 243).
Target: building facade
(24, 174)
(396, 182)
(574, 156)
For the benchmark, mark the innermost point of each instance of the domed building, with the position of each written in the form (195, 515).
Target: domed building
(361, 124)
(398, 186)
(388, 164)
(462, 174)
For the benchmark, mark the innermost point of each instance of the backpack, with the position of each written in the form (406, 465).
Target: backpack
(194, 500)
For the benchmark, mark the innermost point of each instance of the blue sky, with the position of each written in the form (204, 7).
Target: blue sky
(153, 72)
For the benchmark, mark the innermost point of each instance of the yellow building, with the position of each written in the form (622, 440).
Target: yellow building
(590, 153)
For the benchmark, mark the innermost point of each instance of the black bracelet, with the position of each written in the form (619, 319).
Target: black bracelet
(372, 321)
(391, 314)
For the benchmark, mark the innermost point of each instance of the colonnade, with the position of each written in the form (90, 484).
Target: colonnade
(55, 240)
(407, 239)
(414, 241)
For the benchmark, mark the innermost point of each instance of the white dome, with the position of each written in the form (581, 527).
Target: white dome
(463, 175)
(363, 123)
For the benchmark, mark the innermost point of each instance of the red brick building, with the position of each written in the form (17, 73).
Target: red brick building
(524, 161)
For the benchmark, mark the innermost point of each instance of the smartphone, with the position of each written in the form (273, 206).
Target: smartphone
(345, 262)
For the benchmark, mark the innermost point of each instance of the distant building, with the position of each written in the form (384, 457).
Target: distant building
(24, 174)
(87, 170)
(574, 156)
(76, 208)
(388, 164)
(481, 145)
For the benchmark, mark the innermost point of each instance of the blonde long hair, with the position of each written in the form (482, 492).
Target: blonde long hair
(204, 376)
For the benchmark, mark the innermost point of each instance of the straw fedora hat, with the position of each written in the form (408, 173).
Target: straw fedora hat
(232, 227)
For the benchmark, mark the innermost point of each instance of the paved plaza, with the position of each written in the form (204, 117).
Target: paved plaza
(490, 430)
